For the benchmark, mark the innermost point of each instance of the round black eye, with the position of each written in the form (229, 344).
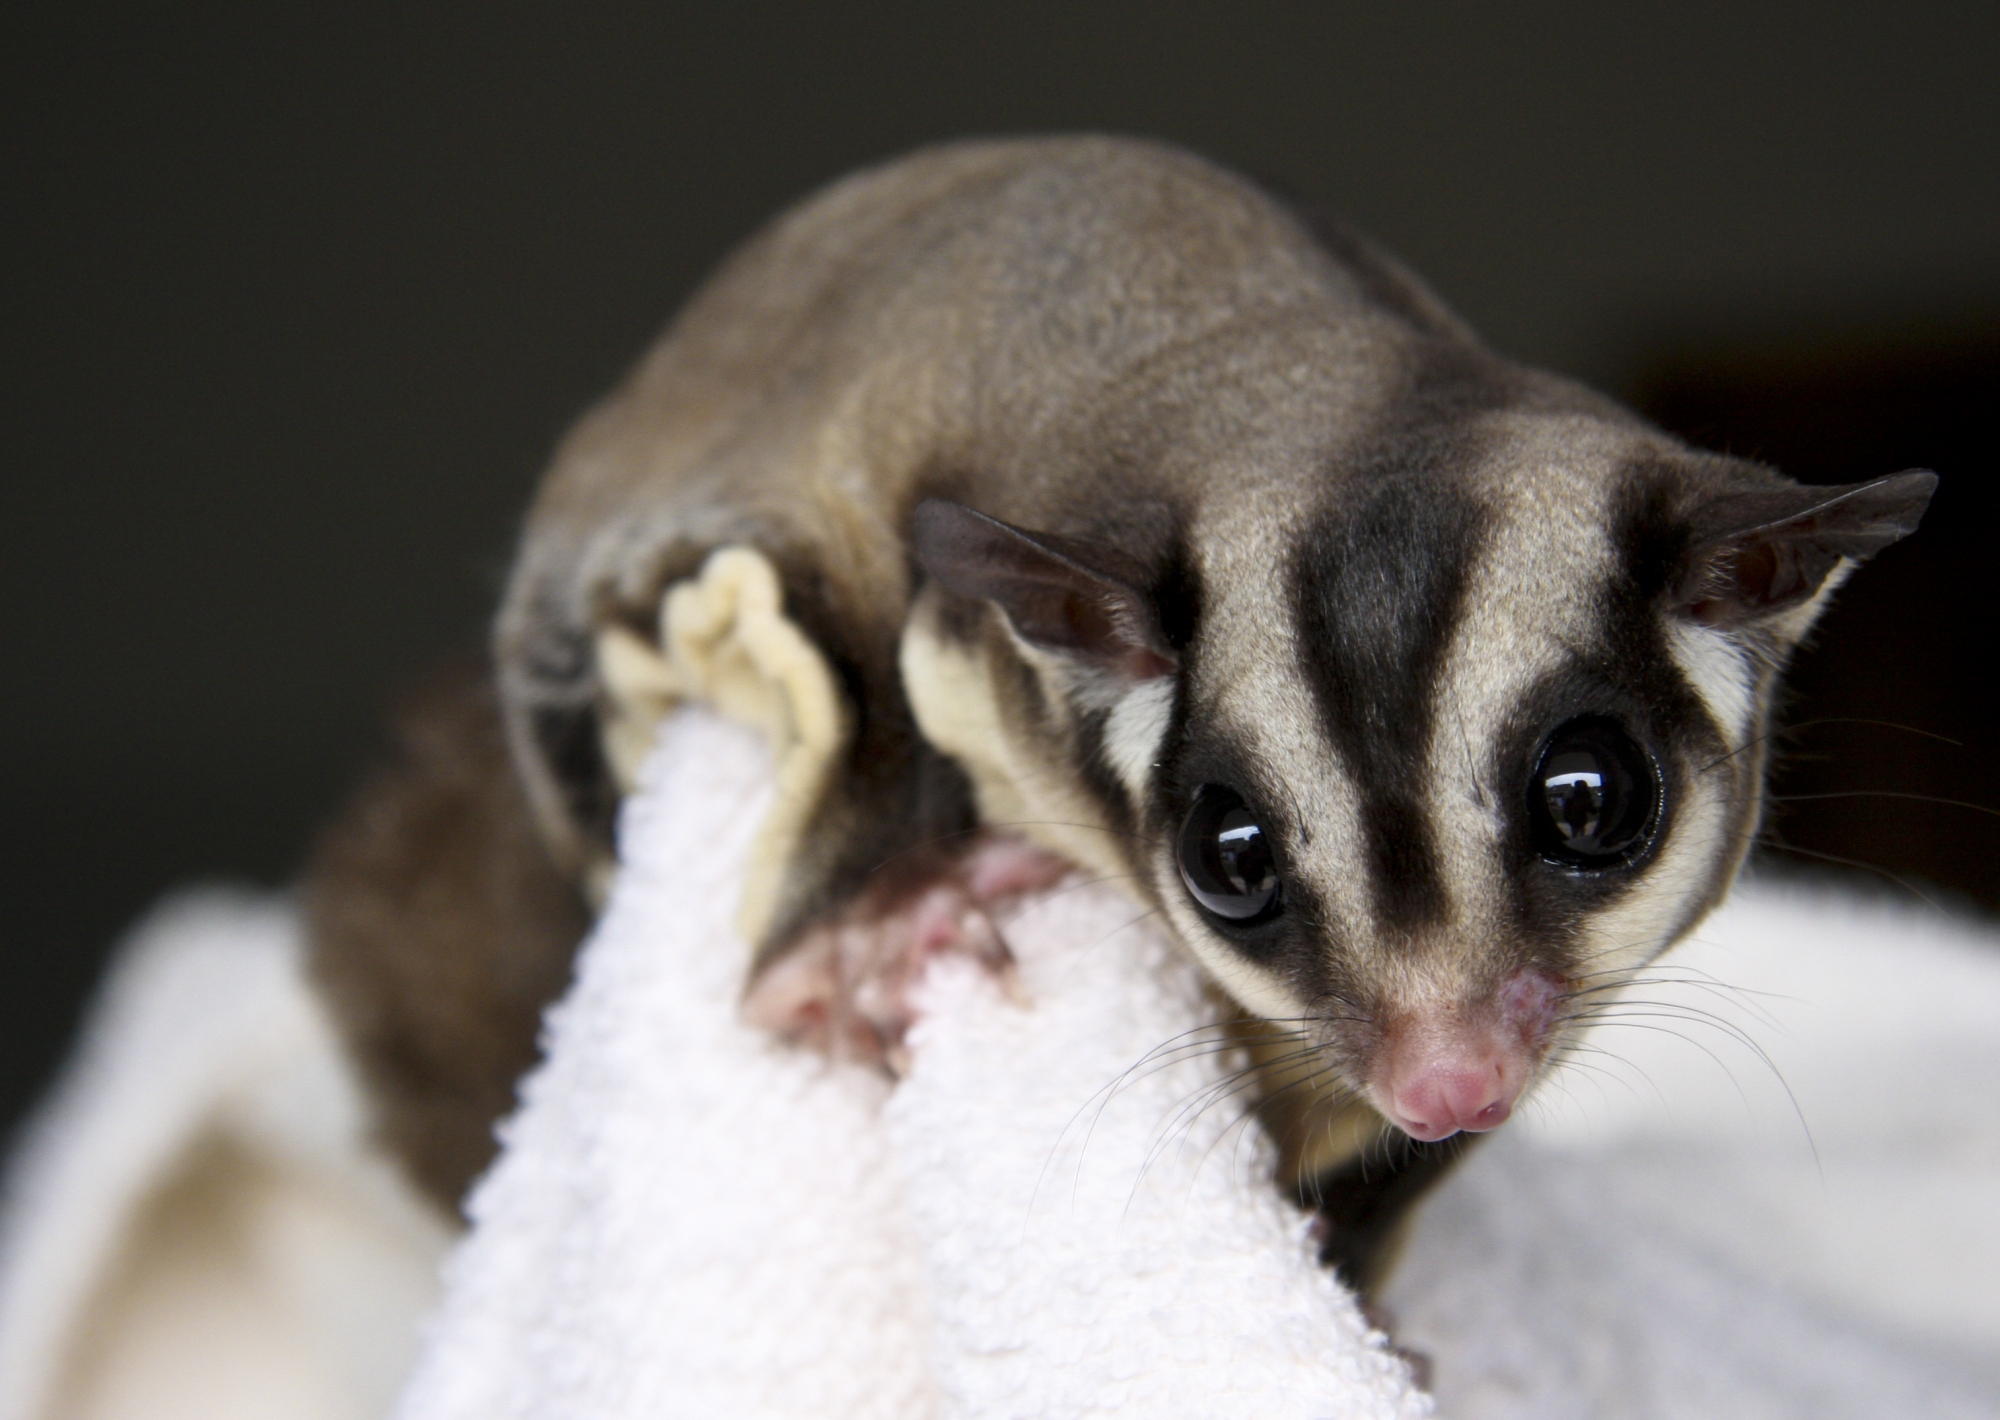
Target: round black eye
(1594, 797)
(1226, 858)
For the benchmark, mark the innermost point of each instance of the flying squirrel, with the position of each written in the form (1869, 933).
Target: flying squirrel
(1138, 522)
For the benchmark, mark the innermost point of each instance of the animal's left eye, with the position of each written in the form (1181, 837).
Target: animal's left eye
(1594, 797)
(1226, 859)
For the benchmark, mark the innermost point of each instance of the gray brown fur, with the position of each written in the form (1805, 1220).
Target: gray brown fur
(440, 929)
(939, 322)
(1132, 349)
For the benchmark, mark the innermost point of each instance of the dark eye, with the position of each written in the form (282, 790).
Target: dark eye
(1594, 797)
(1226, 858)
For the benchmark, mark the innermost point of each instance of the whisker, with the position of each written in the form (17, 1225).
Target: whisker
(1599, 1073)
(1633, 1020)
(1186, 1115)
(1255, 1075)
(1209, 1039)
(1043, 898)
(1670, 1010)
(1471, 769)
(1253, 1072)
(1829, 720)
(1836, 859)
(1169, 1052)
(1720, 990)
(1064, 823)
(1886, 794)
(1235, 1127)
(978, 829)
(1882, 724)
(1124, 927)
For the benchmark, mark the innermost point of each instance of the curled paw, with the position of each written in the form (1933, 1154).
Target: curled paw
(844, 986)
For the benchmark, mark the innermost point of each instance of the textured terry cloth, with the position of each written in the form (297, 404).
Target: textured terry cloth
(689, 1219)
(1679, 1229)
(1652, 1236)
(195, 1226)
(1116, 1251)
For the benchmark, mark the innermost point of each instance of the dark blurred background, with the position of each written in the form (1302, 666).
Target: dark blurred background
(298, 297)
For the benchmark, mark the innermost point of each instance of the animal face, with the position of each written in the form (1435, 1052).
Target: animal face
(1434, 770)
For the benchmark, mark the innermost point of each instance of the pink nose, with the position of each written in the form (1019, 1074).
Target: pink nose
(1463, 1068)
(1446, 1098)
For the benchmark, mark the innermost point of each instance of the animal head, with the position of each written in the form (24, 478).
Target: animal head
(1421, 762)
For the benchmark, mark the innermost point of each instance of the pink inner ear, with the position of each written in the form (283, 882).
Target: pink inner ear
(1093, 624)
(1764, 574)
(1106, 629)
(1759, 555)
(1057, 593)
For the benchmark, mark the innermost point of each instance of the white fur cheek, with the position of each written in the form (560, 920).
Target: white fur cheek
(1643, 922)
(1258, 991)
(1719, 671)
(1252, 988)
(1133, 732)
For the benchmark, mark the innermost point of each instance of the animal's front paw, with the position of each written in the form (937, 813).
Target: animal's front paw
(844, 986)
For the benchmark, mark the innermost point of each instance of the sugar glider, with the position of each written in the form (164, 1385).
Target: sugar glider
(1423, 696)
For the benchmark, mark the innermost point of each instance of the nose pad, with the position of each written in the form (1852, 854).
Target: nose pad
(1463, 1069)
(1446, 1098)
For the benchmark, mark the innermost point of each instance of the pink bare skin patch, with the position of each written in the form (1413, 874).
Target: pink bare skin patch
(844, 986)
(1463, 1068)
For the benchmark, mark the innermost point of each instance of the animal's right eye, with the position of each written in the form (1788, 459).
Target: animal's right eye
(1226, 858)
(1594, 798)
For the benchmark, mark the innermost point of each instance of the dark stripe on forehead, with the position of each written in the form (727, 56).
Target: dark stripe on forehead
(1625, 671)
(1381, 576)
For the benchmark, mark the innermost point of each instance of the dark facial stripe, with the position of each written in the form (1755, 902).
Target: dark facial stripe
(1628, 673)
(1381, 575)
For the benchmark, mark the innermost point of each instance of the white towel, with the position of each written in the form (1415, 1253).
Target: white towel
(690, 1219)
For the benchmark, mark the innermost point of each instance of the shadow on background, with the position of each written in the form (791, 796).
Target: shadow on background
(298, 298)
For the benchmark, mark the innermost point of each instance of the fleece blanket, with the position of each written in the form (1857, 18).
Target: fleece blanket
(1767, 1189)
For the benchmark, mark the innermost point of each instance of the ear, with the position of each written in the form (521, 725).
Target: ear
(1059, 594)
(1755, 554)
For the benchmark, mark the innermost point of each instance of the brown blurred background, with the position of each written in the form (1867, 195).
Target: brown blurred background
(297, 299)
